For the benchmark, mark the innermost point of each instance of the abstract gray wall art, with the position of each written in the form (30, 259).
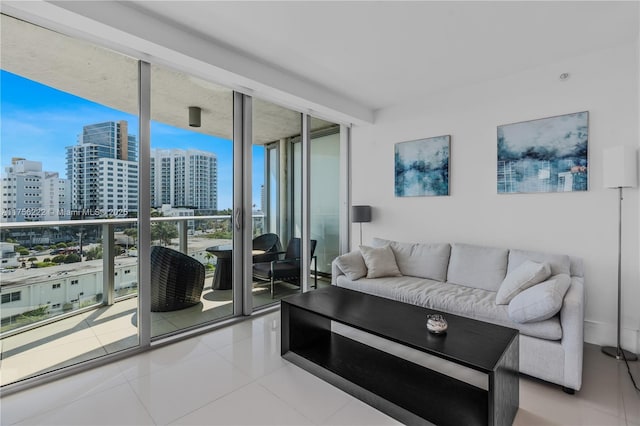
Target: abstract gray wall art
(422, 167)
(545, 155)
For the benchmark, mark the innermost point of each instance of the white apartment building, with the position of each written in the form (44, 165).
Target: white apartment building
(104, 158)
(117, 187)
(62, 287)
(8, 255)
(31, 194)
(184, 178)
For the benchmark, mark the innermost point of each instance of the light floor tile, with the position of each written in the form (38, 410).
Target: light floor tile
(313, 397)
(631, 396)
(55, 395)
(257, 355)
(162, 358)
(116, 406)
(250, 405)
(544, 403)
(173, 392)
(225, 336)
(32, 363)
(357, 413)
(208, 379)
(69, 329)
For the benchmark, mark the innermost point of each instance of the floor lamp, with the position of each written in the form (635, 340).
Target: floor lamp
(360, 214)
(619, 172)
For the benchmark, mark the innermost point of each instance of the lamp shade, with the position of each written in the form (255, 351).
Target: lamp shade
(620, 167)
(360, 214)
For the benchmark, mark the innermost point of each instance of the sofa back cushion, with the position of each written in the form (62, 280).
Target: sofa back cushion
(477, 266)
(380, 262)
(560, 263)
(420, 260)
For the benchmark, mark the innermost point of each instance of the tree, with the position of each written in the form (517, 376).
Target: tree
(59, 258)
(72, 258)
(94, 253)
(131, 233)
(32, 259)
(38, 248)
(164, 232)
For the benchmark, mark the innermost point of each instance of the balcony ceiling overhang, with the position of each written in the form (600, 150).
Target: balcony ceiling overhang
(345, 60)
(103, 76)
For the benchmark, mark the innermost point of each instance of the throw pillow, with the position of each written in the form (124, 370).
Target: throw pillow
(380, 262)
(352, 265)
(540, 302)
(527, 274)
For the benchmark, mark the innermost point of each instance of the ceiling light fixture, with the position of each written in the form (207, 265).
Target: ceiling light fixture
(195, 114)
(564, 76)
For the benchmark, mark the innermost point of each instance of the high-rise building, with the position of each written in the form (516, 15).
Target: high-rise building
(103, 170)
(184, 178)
(30, 194)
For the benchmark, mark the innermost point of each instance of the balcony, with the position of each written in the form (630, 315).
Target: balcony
(57, 316)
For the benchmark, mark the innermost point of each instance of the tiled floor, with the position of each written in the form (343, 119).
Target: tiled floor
(107, 330)
(236, 376)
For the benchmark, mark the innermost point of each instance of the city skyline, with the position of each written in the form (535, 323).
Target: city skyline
(39, 122)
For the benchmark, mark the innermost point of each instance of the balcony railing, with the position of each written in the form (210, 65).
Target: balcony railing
(35, 293)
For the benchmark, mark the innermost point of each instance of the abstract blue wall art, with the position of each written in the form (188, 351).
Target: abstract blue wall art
(545, 155)
(422, 167)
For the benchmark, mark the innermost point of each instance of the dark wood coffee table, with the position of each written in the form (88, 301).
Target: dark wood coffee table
(411, 393)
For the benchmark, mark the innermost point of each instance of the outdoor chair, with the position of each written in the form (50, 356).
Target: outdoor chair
(270, 244)
(287, 269)
(177, 280)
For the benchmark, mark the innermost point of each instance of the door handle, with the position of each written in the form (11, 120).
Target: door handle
(236, 218)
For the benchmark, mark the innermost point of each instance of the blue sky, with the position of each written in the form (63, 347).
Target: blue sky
(38, 122)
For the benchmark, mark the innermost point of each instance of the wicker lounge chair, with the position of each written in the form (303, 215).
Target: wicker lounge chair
(177, 280)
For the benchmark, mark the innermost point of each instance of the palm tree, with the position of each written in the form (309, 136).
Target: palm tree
(164, 232)
(131, 233)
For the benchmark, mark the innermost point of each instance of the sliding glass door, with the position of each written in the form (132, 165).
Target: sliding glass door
(191, 182)
(140, 202)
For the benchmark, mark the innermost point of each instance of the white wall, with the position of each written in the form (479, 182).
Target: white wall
(584, 224)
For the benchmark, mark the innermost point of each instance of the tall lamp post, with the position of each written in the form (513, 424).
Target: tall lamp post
(620, 171)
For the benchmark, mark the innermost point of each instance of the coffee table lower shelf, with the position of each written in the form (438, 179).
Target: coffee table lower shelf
(404, 390)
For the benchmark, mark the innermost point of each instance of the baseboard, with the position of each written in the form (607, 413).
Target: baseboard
(604, 334)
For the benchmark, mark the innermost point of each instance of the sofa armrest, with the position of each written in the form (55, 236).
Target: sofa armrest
(572, 321)
(335, 271)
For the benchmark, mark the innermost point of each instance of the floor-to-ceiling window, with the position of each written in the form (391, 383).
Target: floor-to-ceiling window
(75, 277)
(274, 127)
(191, 195)
(69, 275)
(324, 194)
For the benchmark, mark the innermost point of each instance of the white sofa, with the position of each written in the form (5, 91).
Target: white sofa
(465, 279)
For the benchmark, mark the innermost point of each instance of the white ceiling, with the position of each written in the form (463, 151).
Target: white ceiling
(381, 54)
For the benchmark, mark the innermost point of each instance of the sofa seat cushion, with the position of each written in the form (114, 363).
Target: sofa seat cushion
(477, 266)
(424, 260)
(456, 299)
